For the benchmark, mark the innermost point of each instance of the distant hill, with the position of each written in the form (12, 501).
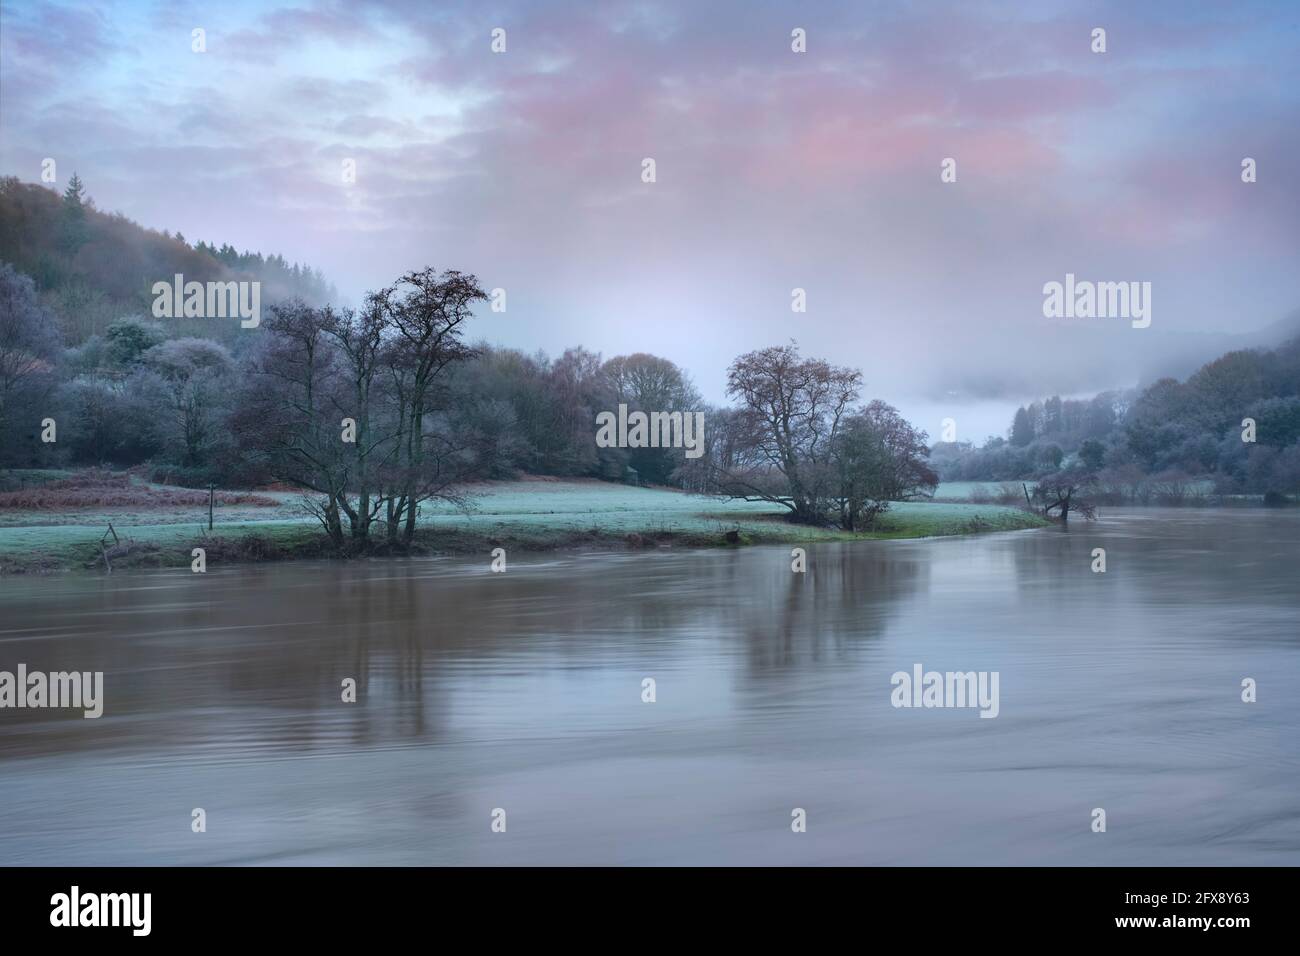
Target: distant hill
(1189, 428)
(92, 267)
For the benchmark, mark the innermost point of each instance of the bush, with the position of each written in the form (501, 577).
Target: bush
(130, 337)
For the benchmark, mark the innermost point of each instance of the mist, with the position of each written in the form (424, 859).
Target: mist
(775, 171)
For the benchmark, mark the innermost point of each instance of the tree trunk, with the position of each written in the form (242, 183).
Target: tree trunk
(409, 532)
(415, 460)
(333, 526)
(394, 519)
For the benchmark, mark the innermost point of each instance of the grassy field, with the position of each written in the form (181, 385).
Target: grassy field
(967, 490)
(992, 490)
(526, 515)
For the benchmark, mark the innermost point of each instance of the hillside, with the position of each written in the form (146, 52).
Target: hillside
(1189, 429)
(91, 267)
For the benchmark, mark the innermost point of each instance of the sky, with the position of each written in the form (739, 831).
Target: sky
(774, 169)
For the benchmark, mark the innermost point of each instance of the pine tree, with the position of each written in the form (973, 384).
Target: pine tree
(72, 196)
(1022, 429)
(73, 227)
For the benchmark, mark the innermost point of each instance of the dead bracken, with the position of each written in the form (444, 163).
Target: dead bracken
(102, 489)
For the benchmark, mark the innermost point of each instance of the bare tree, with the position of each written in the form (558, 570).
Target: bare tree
(1066, 491)
(288, 412)
(426, 311)
(361, 339)
(379, 369)
(791, 410)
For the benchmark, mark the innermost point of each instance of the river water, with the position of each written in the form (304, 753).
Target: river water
(522, 691)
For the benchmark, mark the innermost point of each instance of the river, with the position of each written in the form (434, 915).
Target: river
(522, 691)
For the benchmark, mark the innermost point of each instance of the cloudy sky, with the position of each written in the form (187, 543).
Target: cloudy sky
(775, 169)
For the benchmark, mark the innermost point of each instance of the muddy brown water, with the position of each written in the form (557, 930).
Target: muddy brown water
(523, 691)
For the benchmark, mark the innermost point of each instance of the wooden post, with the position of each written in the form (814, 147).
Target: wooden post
(212, 489)
(1025, 489)
(103, 546)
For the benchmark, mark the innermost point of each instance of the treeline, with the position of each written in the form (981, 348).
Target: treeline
(91, 268)
(191, 410)
(1234, 423)
(373, 411)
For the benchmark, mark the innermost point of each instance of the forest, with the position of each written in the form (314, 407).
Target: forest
(1234, 423)
(374, 410)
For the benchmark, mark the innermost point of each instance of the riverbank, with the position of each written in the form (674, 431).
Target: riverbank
(523, 516)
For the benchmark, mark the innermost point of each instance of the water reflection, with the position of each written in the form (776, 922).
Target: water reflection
(523, 690)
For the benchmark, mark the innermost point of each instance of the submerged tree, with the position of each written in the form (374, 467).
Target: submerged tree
(1065, 491)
